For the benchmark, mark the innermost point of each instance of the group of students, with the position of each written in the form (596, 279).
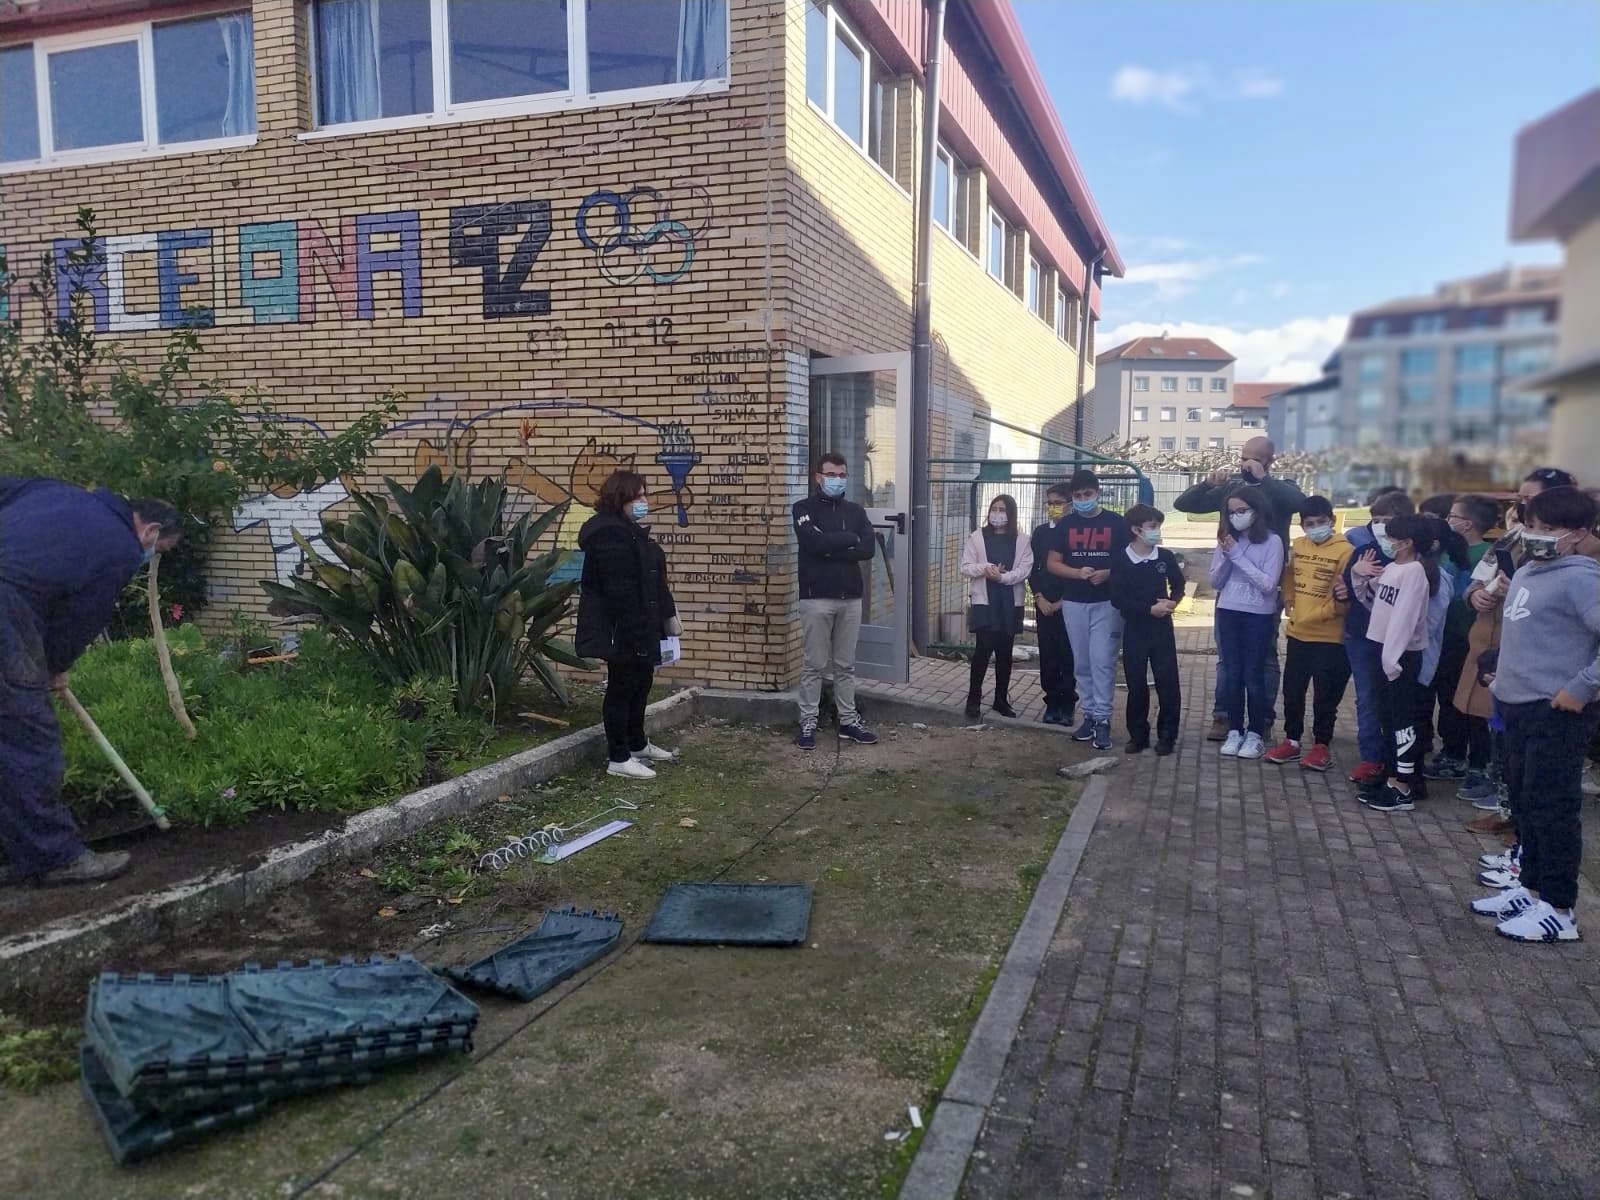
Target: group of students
(1418, 607)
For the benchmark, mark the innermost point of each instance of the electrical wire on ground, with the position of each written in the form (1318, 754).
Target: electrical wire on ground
(506, 1038)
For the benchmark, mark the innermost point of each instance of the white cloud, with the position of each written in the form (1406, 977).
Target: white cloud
(1181, 89)
(1176, 278)
(1292, 351)
(1145, 85)
(1257, 83)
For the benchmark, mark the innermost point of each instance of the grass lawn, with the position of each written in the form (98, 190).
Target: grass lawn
(664, 1071)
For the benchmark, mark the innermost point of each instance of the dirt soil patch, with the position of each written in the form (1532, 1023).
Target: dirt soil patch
(663, 1071)
(190, 852)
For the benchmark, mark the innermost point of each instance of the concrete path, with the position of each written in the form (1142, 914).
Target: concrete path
(1259, 988)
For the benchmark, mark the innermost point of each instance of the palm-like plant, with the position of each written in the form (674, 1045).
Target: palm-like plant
(438, 587)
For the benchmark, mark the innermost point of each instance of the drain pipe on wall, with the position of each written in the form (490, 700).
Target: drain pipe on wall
(1090, 270)
(922, 330)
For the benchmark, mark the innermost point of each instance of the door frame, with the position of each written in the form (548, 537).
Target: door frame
(893, 526)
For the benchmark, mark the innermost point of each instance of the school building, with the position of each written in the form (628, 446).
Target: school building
(672, 234)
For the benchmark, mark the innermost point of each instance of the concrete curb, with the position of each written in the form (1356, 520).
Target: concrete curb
(77, 944)
(941, 1162)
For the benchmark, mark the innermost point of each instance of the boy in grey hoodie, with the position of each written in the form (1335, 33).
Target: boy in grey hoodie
(1547, 687)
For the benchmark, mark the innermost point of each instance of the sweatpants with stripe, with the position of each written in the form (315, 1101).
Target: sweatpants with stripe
(1398, 701)
(1095, 631)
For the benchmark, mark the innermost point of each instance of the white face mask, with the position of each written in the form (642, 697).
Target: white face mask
(1242, 520)
(1379, 529)
(1319, 533)
(998, 520)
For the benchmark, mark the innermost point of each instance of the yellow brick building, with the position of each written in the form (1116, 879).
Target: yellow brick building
(573, 236)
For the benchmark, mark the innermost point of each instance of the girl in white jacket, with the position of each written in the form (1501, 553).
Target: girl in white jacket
(997, 560)
(1399, 624)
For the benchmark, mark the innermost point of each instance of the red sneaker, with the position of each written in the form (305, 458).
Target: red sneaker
(1367, 772)
(1316, 759)
(1285, 751)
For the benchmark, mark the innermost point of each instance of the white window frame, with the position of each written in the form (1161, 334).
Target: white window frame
(1213, 413)
(1169, 414)
(1173, 380)
(142, 34)
(1141, 383)
(1190, 413)
(836, 24)
(1141, 413)
(1192, 384)
(947, 219)
(1168, 444)
(1062, 330)
(576, 96)
(1033, 282)
(1217, 443)
(1191, 443)
(1219, 384)
(995, 219)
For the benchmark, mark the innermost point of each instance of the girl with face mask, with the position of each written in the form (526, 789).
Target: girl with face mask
(625, 612)
(997, 562)
(1246, 568)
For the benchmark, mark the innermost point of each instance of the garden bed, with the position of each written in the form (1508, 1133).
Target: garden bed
(665, 1071)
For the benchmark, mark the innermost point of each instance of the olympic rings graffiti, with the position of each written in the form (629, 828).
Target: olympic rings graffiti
(633, 224)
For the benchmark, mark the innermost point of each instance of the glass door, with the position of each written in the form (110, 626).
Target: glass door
(861, 408)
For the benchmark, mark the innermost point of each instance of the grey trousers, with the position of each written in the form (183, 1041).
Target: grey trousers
(831, 628)
(1095, 631)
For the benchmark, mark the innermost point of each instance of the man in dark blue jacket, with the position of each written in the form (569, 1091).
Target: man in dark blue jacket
(65, 556)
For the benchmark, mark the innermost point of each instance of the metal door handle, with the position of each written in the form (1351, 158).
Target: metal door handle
(898, 520)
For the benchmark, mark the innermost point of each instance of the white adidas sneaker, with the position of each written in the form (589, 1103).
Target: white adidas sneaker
(1252, 746)
(1504, 904)
(1492, 861)
(1231, 747)
(631, 768)
(653, 753)
(1540, 922)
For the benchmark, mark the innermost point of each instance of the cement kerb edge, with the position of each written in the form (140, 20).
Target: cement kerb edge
(941, 1162)
(37, 952)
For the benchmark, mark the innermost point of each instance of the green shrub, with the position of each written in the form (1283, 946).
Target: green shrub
(439, 587)
(318, 733)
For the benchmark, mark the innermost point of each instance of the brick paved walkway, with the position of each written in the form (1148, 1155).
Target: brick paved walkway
(1259, 988)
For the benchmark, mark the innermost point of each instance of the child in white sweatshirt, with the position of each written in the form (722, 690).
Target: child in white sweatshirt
(1399, 624)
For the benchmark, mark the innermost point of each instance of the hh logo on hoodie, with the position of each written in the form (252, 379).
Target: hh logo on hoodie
(1518, 608)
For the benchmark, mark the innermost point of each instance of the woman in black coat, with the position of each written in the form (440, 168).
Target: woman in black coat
(625, 610)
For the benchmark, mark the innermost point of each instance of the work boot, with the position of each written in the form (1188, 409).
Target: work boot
(88, 867)
(1219, 730)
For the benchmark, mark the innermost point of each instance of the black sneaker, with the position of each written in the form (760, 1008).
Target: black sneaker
(1442, 766)
(1165, 746)
(1052, 715)
(807, 739)
(1136, 746)
(1102, 735)
(1004, 708)
(1084, 732)
(1389, 799)
(974, 711)
(859, 734)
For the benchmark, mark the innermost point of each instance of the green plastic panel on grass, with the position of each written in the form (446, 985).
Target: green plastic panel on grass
(565, 942)
(732, 914)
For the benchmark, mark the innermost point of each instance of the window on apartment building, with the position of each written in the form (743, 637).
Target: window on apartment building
(817, 53)
(1219, 384)
(1215, 443)
(1477, 359)
(849, 92)
(1169, 414)
(1063, 326)
(1218, 414)
(1141, 383)
(134, 89)
(1193, 384)
(1428, 323)
(999, 236)
(1369, 400)
(1088, 340)
(1251, 422)
(1192, 414)
(1472, 395)
(883, 121)
(1419, 362)
(1471, 432)
(1170, 443)
(1191, 443)
(1141, 414)
(1034, 296)
(1370, 367)
(1413, 435)
(376, 60)
(1526, 358)
(1381, 328)
(1526, 318)
(1169, 383)
(1416, 395)
(944, 184)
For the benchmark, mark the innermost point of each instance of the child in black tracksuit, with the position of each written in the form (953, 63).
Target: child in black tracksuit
(1146, 585)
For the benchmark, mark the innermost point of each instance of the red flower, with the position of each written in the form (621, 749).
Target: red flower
(177, 613)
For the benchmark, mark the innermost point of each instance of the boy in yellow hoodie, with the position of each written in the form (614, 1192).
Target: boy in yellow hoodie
(1317, 657)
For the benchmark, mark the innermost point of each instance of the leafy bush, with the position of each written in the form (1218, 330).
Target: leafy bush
(71, 407)
(440, 589)
(318, 733)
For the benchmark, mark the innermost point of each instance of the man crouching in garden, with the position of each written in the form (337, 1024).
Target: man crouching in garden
(65, 556)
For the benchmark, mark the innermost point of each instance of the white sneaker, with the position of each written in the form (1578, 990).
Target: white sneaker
(631, 769)
(1253, 747)
(1231, 747)
(1504, 904)
(1539, 922)
(653, 753)
(1591, 780)
(1503, 878)
(1501, 861)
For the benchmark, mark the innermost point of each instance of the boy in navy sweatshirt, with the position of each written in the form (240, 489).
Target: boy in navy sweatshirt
(1146, 586)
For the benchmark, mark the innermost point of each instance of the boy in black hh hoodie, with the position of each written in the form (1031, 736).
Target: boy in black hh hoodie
(1146, 586)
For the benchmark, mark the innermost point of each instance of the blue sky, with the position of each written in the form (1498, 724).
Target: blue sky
(1268, 166)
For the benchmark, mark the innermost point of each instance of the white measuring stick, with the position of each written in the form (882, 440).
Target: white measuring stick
(561, 850)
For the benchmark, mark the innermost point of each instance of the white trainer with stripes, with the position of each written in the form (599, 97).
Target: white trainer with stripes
(1504, 904)
(1540, 922)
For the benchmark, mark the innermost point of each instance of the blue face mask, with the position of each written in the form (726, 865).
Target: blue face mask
(1320, 533)
(1151, 536)
(146, 553)
(1085, 507)
(832, 486)
(639, 509)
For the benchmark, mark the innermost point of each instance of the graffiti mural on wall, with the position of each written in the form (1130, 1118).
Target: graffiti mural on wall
(448, 442)
(301, 271)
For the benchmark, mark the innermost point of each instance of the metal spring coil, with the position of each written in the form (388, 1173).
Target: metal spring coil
(535, 843)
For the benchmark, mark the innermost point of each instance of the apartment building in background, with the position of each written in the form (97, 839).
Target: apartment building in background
(1556, 194)
(1170, 393)
(1306, 416)
(672, 235)
(1445, 370)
